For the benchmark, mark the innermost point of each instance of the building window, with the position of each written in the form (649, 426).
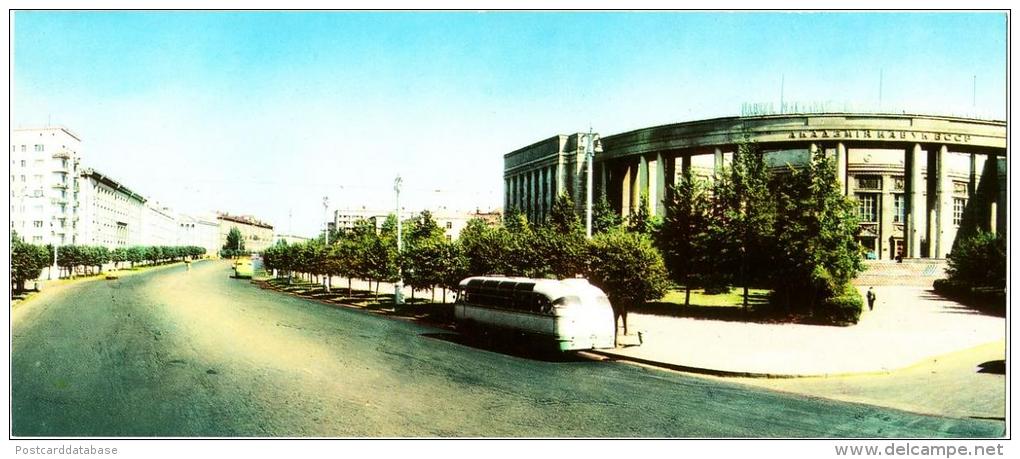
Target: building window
(869, 182)
(37, 224)
(36, 238)
(38, 147)
(960, 188)
(449, 225)
(867, 210)
(899, 208)
(23, 149)
(23, 163)
(959, 204)
(898, 183)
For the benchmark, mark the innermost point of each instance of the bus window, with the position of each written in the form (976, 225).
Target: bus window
(567, 301)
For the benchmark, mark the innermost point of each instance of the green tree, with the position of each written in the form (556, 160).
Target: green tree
(118, 256)
(682, 234)
(979, 260)
(628, 268)
(235, 243)
(484, 247)
(419, 260)
(815, 254)
(603, 217)
(27, 261)
(641, 220)
(748, 213)
(560, 242)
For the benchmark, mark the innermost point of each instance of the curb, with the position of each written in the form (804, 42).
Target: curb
(728, 373)
(264, 285)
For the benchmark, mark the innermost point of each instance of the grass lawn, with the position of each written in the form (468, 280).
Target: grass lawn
(722, 306)
(735, 297)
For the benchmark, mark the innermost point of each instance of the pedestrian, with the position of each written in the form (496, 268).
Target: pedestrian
(871, 298)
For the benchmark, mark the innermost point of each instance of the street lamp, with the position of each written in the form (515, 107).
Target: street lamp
(325, 211)
(325, 215)
(589, 154)
(398, 294)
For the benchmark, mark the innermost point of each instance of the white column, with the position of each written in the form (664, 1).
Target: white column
(941, 198)
(659, 173)
(914, 201)
(626, 191)
(841, 173)
(993, 193)
(717, 161)
(642, 182)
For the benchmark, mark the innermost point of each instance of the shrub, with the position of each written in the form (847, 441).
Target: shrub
(841, 309)
(979, 261)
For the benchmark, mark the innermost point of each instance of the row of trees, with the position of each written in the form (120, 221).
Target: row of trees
(792, 233)
(624, 264)
(28, 260)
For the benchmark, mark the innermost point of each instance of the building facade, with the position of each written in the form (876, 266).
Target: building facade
(452, 222)
(257, 235)
(917, 179)
(110, 214)
(200, 231)
(44, 184)
(159, 225)
(536, 174)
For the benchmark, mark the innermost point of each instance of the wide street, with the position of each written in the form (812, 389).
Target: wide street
(195, 353)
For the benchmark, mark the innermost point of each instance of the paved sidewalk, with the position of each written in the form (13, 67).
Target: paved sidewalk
(908, 325)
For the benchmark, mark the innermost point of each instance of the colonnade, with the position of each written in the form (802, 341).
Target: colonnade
(629, 180)
(533, 191)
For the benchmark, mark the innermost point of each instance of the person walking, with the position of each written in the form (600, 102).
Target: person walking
(871, 298)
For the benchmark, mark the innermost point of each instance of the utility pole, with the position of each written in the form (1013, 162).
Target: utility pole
(325, 215)
(55, 267)
(325, 212)
(398, 293)
(589, 154)
(880, 71)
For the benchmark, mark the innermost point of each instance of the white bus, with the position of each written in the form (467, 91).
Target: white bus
(573, 313)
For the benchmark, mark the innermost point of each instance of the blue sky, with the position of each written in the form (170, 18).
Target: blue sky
(266, 112)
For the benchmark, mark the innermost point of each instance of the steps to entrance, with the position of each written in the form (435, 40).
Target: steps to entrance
(918, 272)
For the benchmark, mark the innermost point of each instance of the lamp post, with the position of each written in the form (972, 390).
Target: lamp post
(589, 154)
(398, 294)
(325, 212)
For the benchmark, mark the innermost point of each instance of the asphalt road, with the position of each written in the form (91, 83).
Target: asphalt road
(174, 353)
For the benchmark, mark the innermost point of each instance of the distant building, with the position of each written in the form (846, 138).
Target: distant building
(344, 219)
(290, 239)
(44, 184)
(199, 230)
(257, 235)
(159, 225)
(450, 221)
(110, 214)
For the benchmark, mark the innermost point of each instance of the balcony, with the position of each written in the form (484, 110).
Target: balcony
(62, 154)
(58, 185)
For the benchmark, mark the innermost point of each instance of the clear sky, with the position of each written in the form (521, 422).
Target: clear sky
(266, 112)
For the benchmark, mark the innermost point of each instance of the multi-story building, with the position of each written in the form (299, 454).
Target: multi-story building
(344, 219)
(44, 184)
(450, 221)
(199, 230)
(110, 214)
(159, 225)
(536, 174)
(290, 239)
(918, 180)
(257, 235)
